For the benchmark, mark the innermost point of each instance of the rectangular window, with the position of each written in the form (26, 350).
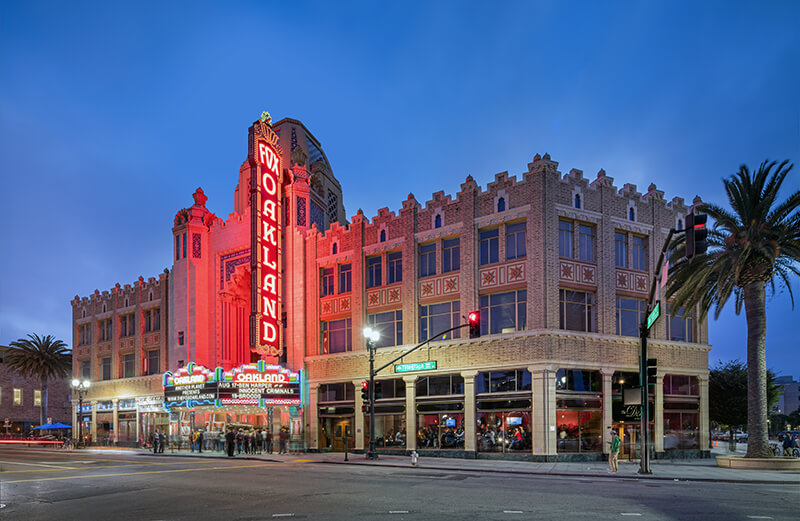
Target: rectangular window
(451, 255)
(37, 398)
(153, 362)
(148, 321)
(427, 259)
(327, 282)
(586, 242)
(489, 246)
(128, 365)
(514, 380)
(515, 241)
(109, 329)
(105, 368)
(620, 249)
(565, 239)
(630, 313)
(337, 336)
(576, 310)
(156, 319)
(177, 247)
(680, 326)
(17, 396)
(436, 318)
(683, 385)
(390, 327)
(503, 312)
(345, 278)
(639, 252)
(180, 338)
(123, 326)
(184, 245)
(374, 271)
(132, 324)
(86, 370)
(394, 260)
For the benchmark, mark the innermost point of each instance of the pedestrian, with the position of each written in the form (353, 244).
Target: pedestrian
(154, 441)
(259, 440)
(230, 439)
(613, 453)
(239, 441)
(282, 441)
(200, 442)
(269, 441)
(787, 444)
(162, 440)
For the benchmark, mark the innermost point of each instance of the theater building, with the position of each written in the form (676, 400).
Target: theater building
(558, 265)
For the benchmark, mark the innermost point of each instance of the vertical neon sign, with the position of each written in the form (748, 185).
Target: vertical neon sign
(268, 245)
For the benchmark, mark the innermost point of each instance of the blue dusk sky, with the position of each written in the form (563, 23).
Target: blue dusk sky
(113, 113)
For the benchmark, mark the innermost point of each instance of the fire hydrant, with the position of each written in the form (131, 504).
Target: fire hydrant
(414, 458)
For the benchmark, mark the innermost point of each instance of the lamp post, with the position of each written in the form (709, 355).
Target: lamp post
(81, 387)
(371, 336)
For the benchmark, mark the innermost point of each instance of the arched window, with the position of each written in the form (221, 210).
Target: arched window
(383, 235)
(84, 313)
(104, 307)
(437, 222)
(126, 302)
(577, 201)
(151, 295)
(501, 204)
(631, 215)
(335, 248)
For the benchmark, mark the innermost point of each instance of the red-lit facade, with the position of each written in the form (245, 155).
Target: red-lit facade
(557, 266)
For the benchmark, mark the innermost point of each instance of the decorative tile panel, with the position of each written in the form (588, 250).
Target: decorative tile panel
(501, 274)
(630, 280)
(577, 272)
(228, 263)
(196, 241)
(334, 305)
(377, 297)
(442, 285)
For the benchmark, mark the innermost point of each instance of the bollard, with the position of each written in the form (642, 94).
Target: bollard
(345, 447)
(414, 458)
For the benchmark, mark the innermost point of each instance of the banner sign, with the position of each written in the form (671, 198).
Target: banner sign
(259, 384)
(265, 237)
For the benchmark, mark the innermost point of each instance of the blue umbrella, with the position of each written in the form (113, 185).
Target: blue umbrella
(59, 425)
(45, 426)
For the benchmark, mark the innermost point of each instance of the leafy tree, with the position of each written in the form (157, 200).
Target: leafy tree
(750, 248)
(727, 394)
(46, 358)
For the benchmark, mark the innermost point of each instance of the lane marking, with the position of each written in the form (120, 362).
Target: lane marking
(398, 511)
(759, 517)
(512, 511)
(71, 468)
(139, 473)
(38, 465)
(283, 515)
(629, 514)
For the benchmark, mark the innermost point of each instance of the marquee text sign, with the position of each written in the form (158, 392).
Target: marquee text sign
(259, 384)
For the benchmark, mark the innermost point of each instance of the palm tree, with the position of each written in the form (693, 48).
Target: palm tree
(752, 247)
(45, 358)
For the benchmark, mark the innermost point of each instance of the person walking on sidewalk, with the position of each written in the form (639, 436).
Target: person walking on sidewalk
(282, 442)
(230, 439)
(613, 453)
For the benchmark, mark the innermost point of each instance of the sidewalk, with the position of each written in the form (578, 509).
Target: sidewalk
(677, 470)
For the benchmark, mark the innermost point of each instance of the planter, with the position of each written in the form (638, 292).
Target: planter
(776, 463)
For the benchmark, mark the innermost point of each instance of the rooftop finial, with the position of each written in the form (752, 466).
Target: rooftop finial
(266, 118)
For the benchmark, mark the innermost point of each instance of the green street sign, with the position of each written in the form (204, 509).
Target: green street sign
(419, 366)
(654, 314)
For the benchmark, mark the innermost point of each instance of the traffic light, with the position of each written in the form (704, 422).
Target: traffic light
(378, 393)
(364, 392)
(474, 319)
(652, 371)
(696, 234)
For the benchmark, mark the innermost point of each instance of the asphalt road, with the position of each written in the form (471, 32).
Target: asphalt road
(120, 487)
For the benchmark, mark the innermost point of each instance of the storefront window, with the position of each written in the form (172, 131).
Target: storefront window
(440, 385)
(578, 380)
(681, 427)
(336, 416)
(579, 418)
(390, 431)
(503, 381)
(504, 431)
(440, 431)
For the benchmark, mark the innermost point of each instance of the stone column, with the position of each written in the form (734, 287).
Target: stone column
(658, 413)
(115, 419)
(703, 420)
(469, 410)
(411, 412)
(544, 410)
(75, 416)
(94, 420)
(312, 417)
(608, 416)
(138, 427)
(358, 429)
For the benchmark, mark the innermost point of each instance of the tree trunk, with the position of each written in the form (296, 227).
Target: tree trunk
(43, 408)
(755, 309)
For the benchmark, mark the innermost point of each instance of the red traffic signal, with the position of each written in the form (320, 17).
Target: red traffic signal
(696, 234)
(365, 392)
(474, 320)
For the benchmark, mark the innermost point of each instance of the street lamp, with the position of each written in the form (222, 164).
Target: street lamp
(82, 387)
(371, 336)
